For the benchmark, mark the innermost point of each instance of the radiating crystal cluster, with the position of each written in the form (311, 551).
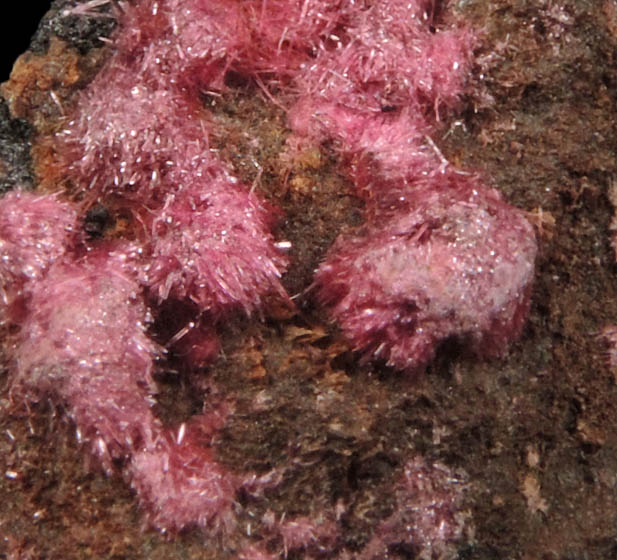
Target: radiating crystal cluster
(179, 482)
(373, 76)
(34, 233)
(137, 139)
(428, 518)
(139, 135)
(385, 57)
(440, 254)
(213, 247)
(460, 263)
(84, 339)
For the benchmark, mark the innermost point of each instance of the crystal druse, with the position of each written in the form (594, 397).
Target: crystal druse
(440, 254)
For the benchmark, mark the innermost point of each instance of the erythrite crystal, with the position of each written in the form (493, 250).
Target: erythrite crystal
(440, 255)
(178, 481)
(308, 534)
(213, 247)
(181, 44)
(127, 137)
(34, 232)
(210, 238)
(429, 518)
(140, 136)
(286, 34)
(84, 340)
(138, 120)
(388, 58)
(459, 263)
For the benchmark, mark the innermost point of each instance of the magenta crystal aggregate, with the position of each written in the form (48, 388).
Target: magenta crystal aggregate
(459, 263)
(440, 254)
(84, 338)
(429, 516)
(374, 77)
(35, 231)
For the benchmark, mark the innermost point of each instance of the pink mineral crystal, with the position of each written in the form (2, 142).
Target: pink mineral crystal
(213, 247)
(179, 483)
(140, 136)
(304, 533)
(138, 121)
(35, 231)
(84, 340)
(387, 57)
(285, 35)
(440, 255)
(429, 517)
(186, 45)
(460, 264)
(126, 136)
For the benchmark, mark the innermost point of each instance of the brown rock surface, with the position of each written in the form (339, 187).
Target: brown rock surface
(543, 132)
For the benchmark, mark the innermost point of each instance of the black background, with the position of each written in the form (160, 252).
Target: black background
(19, 22)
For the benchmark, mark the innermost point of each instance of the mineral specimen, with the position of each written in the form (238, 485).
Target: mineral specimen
(440, 254)
(212, 246)
(139, 136)
(178, 481)
(460, 263)
(34, 232)
(84, 340)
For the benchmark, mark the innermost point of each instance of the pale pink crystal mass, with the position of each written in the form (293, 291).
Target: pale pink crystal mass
(440, 255)
(85, 339)
(214, 248)
(34, 232)
(429, 516)
(458, 263)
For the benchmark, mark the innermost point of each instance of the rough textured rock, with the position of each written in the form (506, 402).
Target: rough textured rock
(534, 430)
(16, 164)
